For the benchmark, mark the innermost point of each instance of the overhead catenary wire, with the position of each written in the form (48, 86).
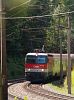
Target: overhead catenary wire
(30, 6)
(33, 5)
(20, 5)
(9, 34)
(35, 28)
(29, 29)
(25, 29)
(31, 17)
(19, 11)
(35, 17)
(41, 5)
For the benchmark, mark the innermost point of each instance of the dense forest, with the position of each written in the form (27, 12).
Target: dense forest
(34, 23)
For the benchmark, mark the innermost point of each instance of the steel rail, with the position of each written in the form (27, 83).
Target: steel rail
(48, 94)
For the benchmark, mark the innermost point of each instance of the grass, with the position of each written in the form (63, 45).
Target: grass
(72, 82)
(64, 88)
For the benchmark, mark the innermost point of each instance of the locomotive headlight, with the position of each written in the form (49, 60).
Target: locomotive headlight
(42, 70)
(28, 69)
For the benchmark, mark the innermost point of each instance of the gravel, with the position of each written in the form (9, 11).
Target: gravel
(19, 90)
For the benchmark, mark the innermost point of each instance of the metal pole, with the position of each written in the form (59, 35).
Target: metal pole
(61, 65)
(0, 58)
(60, 37)
(69, 59)
(0, 50)
(4, 94)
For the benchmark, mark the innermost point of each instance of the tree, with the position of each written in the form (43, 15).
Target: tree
(53, 35)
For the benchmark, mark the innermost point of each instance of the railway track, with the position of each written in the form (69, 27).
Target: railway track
(38, 90)
(11, 83)
(14, 81)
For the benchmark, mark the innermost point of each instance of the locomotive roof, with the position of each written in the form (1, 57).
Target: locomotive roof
(53, 54)
(37, 54)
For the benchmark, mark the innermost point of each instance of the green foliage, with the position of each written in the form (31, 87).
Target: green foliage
(34, 37)
(12, 4)
(72, 82)
(15, 67)
(30, 31)
(63, 88)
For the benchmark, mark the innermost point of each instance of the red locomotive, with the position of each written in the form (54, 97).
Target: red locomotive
(38, 65)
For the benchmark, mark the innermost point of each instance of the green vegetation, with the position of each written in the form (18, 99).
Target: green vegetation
(39, 31)
(63, 88)
(15, 67)
(56, 68)
(11, 4)
(72, 82)
(18, 8)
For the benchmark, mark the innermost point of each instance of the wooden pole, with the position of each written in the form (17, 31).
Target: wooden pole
(69, 59)
(3, 72)
(0, 57)
(60, 38)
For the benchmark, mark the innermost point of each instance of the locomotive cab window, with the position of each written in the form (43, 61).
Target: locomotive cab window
(41, 59)
(30, 59)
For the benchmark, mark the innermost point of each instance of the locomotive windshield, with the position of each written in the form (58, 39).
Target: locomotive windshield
(30, 59)
(40, 59)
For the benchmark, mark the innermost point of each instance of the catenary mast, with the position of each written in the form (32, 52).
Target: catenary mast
(3, 76)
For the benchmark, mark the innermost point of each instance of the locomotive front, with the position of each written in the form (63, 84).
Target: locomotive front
(36, 65)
